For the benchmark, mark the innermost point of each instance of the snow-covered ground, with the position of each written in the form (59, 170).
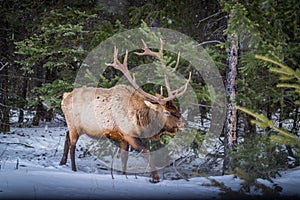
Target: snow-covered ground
(29, 169)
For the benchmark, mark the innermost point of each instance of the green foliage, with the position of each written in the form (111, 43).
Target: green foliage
(270, 24)
(64, 37)
(263, 28)
(285, 137)
(218, 55)
(164, 65)
(102, 81)
(58, 45)
(293, 81)
(102, 31)
(184, 16)
(51, 94)
(58, 48)
(257, 158)
(58, 37)
(156, 14)
(289, 77)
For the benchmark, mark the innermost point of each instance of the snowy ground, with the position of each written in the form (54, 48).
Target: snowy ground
(29, 169)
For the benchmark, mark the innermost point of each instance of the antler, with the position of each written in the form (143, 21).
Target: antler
(124, 69)
(147, 52)
(171, 94)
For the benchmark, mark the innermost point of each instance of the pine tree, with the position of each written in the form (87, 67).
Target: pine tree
(290, 79)
(263, 29)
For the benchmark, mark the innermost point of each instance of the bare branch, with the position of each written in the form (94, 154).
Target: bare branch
(211, 41)
(206, 18)
(17, 143)
(2, 105)
(3, 65)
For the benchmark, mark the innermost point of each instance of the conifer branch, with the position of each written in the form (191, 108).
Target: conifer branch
(264, 122)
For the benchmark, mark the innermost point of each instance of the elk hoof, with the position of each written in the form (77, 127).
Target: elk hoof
(154, 177)
(154, 180)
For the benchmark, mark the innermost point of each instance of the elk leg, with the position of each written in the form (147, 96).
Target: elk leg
(73, 140)
(72, 155)
(124, 155)
(64, 158)
(137, 144)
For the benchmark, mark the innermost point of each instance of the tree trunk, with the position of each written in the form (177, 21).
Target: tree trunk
(23, 103)
(230, 128)
(4, 108)
(296, 120)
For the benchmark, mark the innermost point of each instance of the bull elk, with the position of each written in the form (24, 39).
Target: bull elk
(122, 113)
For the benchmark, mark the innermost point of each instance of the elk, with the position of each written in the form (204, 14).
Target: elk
(122, 113)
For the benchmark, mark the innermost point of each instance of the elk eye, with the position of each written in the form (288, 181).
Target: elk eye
(166, 112)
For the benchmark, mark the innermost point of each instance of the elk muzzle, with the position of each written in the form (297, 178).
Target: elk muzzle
(182, 123)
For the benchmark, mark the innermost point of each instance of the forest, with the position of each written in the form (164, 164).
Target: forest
(248, 127)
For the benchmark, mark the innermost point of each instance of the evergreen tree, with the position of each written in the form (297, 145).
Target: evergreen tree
(56, 51)
(265, 28)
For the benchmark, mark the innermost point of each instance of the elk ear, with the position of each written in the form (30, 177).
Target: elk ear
(152, 105)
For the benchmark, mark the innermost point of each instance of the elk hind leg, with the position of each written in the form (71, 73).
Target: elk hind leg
(73, 140)
(64, 158)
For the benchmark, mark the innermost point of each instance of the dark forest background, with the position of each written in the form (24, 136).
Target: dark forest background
(255, 45)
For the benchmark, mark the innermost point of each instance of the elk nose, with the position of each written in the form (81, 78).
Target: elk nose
(182, 123)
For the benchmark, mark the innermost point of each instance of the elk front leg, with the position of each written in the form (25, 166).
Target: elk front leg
(64, 158)
(137, 144)
(124, 155)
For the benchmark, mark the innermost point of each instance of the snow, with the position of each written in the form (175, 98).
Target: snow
(29, 169)
(43, 183)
